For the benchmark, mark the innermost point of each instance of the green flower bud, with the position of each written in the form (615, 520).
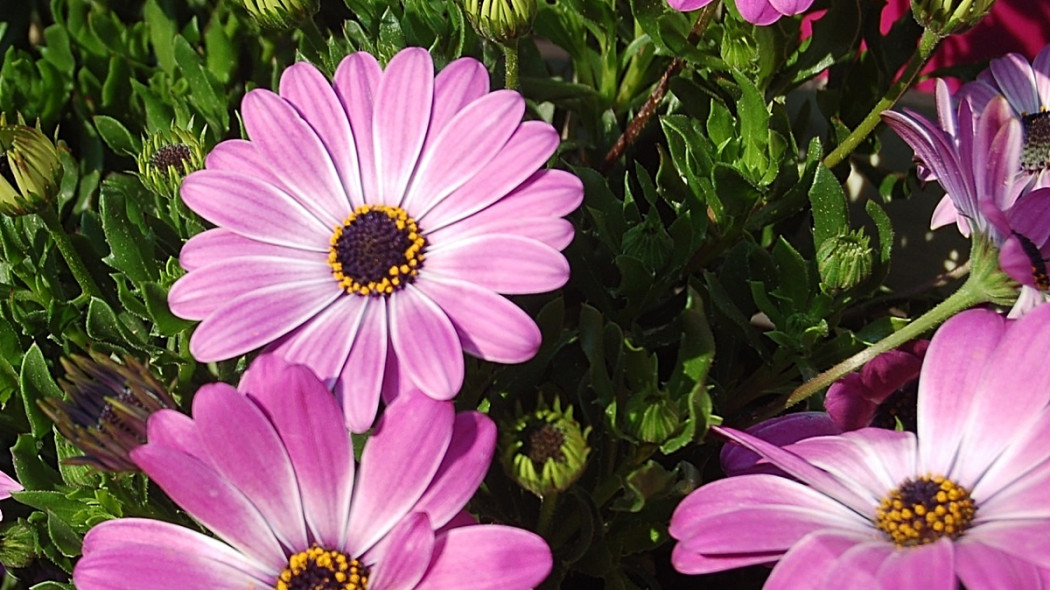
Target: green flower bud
(652, 417)
(30, 169)
(545, 451)
(501, 20)
(280, 15)
(649, 242)
(167, 157)
(18, 544)
(947, 17)
(844, 261)
(108, 406)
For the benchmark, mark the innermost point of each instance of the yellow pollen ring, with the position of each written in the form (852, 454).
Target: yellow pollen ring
(946, 511)
(396, 274)
(322, 569)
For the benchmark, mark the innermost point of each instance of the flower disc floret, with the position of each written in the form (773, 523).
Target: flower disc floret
(377, 250)
(322, 569)
(923, 510)
(1035, 155)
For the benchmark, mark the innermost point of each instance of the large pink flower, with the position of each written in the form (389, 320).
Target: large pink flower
(272, 474)
(962, 500)
(758, 12)
(371, 224)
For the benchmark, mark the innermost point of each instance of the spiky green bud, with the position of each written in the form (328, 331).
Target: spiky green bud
(167, 157)
(845, 260)
(545, 451)
(501, 21)
(948, 17)
(18, 543)
(280, 15)
(30, 169)
(652, 418)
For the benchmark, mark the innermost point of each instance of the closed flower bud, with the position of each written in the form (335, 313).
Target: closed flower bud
(652, 418)
(947, 17)
(501, 20)
(108, 406)
(18, 544)
(167, 157)
(844, 261)
(30, 169)
(280, 15)
(545, 451)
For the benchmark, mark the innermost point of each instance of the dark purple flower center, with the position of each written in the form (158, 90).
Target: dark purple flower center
(1035, 257)
(322, 569)
(377, 250)
(544, 442)
(901, 406)
(924, 510)
(169, 156)
(1036, 153)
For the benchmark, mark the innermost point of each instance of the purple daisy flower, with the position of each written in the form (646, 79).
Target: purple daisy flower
(963, 500)
(757, 12)
(272, 474)
(881, 393)
(372, 225)
(1026, 87)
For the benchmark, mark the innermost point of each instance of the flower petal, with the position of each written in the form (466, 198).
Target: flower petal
(361, 381)
(356, 83)
(242, 157)
(930, 567)
(782, 430)
(981, 567)
(426, 343)
(858, 567)
(488, 557)
(398, 463)
(1014, 75)
(216, 245)
(758, 12)
(873, 459)
(1028, 541)
(789, 7)
(462, 469)
(806, 564)
(403, 556)
(687, 5)
(402, 114)
(171, 428)
(458, 84)
(502, 263)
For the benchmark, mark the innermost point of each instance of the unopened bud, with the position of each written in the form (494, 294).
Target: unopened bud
(844, 261)
(30, 169)
(167, 157)
(947, 17)
(280, 15)
(545, 451)
(501, 20)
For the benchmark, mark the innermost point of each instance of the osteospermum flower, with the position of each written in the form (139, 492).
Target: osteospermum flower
(882, 393)
(370, 226)
(963, 500)
(758, 12)
(272, 474)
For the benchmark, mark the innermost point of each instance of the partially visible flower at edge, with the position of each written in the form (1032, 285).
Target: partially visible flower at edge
(756, 12)
(881, 393)
(545, 451)
(372, 226)
(780, 431)
(963, 500)
(280, 15)
(8, 485)
(109, 404)
(270, 470)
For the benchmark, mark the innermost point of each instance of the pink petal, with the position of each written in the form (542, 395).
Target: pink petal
(315, 99)
(805, 566)
(488, 325)
(462, 469)
(458, 84)
(296, 155)
(426, 343)
(171, 428)
(944, 214)
(687, 5)
(254, 209)
(397, 466)
(403, 556)
(502, 263)
(789, 7)
(873, 459)
(687, 562)
(758, 12)
(241, 156)
(306, 417)
(1041, 70)
(469, 141)
(219, 244)
(361, 380)
(1014, 75)
(260, 317)
(248, 453)
(155, 555)
(488, 557)
(981, 567)
(200, 293)
(1026, 540)
(763, 529)
(858, 567)
(8, 484)
(928, 567)
(402, 113)
(783, 430)
(947, 370)
(356, 82)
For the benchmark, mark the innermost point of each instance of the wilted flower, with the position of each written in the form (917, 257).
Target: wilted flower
(167, 157)
(30, 169)
(882, 393)
(501, 20)
(545, 451)
(270, 471)
(758, 12)
(962, 501)
(370, 226)
(280, 14)
(108, 406)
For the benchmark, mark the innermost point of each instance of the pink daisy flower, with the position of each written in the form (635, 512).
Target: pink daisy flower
(882, 393)
(963, 500)
(272, 474)
(757, 12)
(371, 226)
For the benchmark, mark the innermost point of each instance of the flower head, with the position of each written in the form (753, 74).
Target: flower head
(270, 470)
(30, 169)
(108, 406)
(882, 394)
(757, 12)
(501, 20)
(280, 15)
(962, 499)
(950, 16)
(167, 157)
(545, 451)
(370, 226)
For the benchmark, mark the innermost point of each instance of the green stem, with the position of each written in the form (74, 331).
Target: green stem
(510, 54)
(69, 253)
(927, 45)
(547, 505)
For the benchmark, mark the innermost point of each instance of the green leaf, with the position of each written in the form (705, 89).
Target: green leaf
(156, 298)
(202, 85)
(884, 228)
(116, 136)
(696, 349)
(63, 536)
(30, 468)
(129, 248)
(36, 384)
(754, 125)
(64, 507)
(830, 214)
(161, 31)
(698, 406)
